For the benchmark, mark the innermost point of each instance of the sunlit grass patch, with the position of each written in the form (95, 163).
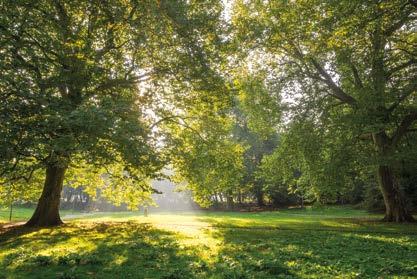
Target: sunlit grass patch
(100, 250)
(18, 214)
(283, 244)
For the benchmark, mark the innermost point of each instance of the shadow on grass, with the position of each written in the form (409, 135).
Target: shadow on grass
(15, 236)
(135, 250)
(119, 250)
(314, 252)
(111, 250)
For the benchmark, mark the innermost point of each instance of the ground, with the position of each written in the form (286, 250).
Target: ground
(311, 243)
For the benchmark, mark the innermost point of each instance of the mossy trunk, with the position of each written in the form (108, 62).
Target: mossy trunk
(47, 210)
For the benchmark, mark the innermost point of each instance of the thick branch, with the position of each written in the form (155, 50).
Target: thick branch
(405, 124)
(410, 89)
(337, 91)
(356, 76)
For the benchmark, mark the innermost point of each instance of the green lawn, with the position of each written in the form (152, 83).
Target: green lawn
(312, 243)
(23, 214)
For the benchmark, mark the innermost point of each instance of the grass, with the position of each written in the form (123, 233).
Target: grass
(23, 214)
(19, 214)
(312, 243)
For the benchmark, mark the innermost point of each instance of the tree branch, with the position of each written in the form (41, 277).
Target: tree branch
(356, 76)
(412, 87)
(397, 25)
(167, 118)
(413, 3)
(402, 66)
(403, 128)
(337, 91)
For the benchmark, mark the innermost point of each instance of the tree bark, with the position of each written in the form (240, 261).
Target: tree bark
(395, 205)
(394, 199)
(47, 210)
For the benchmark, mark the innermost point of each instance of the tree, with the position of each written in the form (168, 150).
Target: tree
(310, 163)
(73, 93)
(216, 150)
(206, 158)
(257, 116)
(352, 61)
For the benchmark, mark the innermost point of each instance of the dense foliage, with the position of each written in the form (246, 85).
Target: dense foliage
(252, 102)
(74, 101)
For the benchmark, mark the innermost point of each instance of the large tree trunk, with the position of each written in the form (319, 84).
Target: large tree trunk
(395, 205)
(47, 210)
